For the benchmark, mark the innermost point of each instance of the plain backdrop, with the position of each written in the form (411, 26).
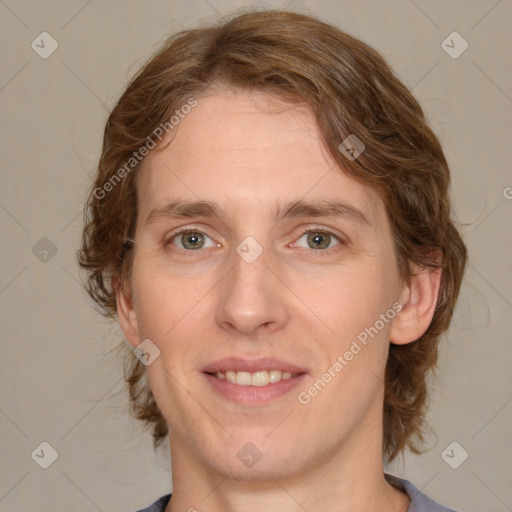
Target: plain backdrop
(61, 385)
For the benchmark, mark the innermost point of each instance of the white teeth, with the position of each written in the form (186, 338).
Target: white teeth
(275, 376)
(231, 376)
(243, 378)
(258, 378)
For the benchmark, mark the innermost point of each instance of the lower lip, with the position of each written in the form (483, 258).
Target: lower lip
(253, 395)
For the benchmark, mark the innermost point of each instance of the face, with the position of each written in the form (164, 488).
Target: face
(286, 268)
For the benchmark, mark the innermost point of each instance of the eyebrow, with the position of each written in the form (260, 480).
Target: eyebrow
(324, 208)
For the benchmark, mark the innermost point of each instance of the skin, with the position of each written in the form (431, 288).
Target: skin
(295, 302)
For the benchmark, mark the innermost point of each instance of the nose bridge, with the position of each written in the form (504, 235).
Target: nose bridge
(250, 295)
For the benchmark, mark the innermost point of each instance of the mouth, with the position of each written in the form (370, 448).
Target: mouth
(257, 378)
(252, 382)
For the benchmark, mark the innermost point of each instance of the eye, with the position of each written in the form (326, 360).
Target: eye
(189, 240)
(320, 239)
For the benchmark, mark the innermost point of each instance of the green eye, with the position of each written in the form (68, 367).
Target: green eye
(192, 240)
(189, 240)
(316, 239)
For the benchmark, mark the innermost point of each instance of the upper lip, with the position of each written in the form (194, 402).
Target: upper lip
(251, 365)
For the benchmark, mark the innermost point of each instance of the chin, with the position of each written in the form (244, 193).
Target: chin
(248, 462)
(261, 472)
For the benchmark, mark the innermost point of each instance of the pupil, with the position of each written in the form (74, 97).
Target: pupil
(193, 240)
(316, 239)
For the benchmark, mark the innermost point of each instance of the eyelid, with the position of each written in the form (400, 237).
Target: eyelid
(342, 239)
(185, 229)
(321, 229)
(304, 230)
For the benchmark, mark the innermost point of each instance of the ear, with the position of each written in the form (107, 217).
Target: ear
(126, 313)
(418, 299)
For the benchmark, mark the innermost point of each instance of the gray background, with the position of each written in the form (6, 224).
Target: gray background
(59, 382)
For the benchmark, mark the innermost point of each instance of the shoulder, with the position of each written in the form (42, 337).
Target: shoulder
(419, 502)
(158, 506)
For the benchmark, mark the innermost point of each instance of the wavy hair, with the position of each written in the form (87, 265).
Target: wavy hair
(351, 90)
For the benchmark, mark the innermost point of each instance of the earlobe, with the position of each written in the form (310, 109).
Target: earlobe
(418, 300)
(126, 314)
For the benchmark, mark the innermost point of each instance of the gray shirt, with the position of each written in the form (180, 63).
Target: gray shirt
(419, 501)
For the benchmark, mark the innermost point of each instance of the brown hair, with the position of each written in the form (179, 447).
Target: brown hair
(351, 90)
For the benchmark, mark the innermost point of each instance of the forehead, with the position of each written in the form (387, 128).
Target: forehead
(242, 149)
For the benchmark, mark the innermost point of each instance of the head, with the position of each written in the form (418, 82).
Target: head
(249, 120)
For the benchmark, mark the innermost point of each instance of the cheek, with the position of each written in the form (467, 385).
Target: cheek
(161, 302)
(348, 301)
(173, 313)
(356, 344)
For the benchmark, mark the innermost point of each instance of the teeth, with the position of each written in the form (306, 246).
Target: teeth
(231, 376)
(275, 376)
(243, 378)
(259, 378)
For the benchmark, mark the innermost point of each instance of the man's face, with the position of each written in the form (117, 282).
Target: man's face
(213, 304)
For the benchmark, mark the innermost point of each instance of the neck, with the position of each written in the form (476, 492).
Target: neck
(350, 478)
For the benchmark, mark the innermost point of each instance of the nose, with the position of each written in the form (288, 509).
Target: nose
(252, 298)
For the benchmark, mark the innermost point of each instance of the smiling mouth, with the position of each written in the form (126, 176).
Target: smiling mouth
(253, 382)
(257, 378)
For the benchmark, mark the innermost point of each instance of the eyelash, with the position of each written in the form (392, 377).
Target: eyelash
(320, 252)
